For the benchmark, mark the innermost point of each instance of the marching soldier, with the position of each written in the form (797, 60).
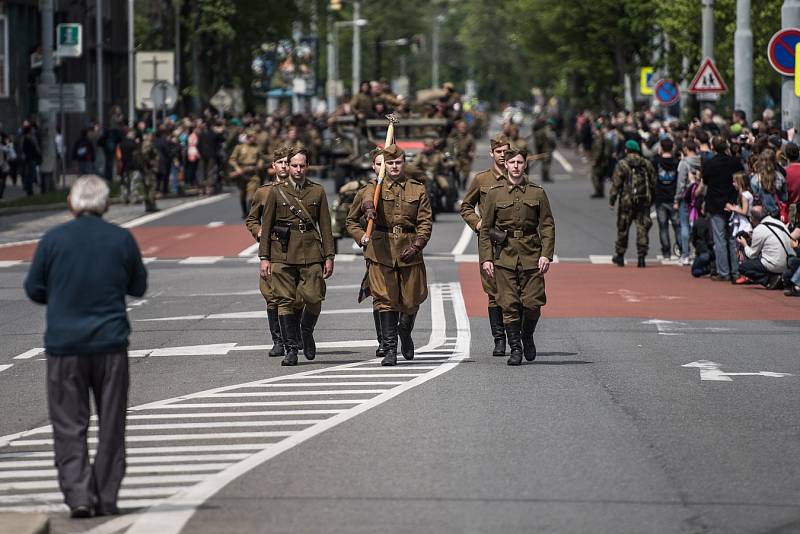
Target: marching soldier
(280, 165)
(297, 253)
(601, 158)
(247, 163)
(544, 141)
(516, 246)
(463, 146)
(634, 183)
(396, 270)
(512, 132)
(476, 196)
(148, 159)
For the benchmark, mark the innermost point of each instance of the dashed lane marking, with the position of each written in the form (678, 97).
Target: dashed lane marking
(9, 263)
(567, 166)
(200, 260)
(183, 450)
(215, 224)
(463, 242)
(6, 366)
(600, 260)
(28, 354)
(174, 209)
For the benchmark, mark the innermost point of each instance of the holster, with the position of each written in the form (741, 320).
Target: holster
(282, 233)
(498, 239)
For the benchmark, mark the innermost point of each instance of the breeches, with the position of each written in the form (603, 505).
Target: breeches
(400, 289)
(517, 289)
(295, 286)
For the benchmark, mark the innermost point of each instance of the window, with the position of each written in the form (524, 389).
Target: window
(3, 56)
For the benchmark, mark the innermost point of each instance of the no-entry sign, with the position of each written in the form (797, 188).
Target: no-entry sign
(667, 92)
(781, 50)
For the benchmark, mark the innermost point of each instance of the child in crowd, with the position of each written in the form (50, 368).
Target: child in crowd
(740, 215)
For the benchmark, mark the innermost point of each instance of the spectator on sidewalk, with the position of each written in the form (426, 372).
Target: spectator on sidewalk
(703, 242)
(792, 153)
(31, 156)
(688, 172)
(717, 176)
(82, 271)
(83, 153)
(769, 249)
(666, 166)
(767, 183)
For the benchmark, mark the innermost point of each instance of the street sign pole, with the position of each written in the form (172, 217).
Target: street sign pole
(48, 78)
(99, 52)
(790, 104)
(743, 60)
(708, 30)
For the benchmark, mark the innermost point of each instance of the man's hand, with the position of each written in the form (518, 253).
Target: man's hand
(408, 253)
(675, 206)
(369, 211)
(364, 240)
(327, 269)
(544, 264)
(478, 226)
(265, 269)
(488, 268)
(742, 241)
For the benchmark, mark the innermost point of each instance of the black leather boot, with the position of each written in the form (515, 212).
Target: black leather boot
(641, 262)
(618, 259)
(307, 323)
(389, 328)
(513, 331)
(404, 328)
(275, 332)
(299, 334)
(289, 329)
(498, 332)
(529, 321)
(376, 317)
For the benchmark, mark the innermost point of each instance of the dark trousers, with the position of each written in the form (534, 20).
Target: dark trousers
(69, 380)
(755, 271)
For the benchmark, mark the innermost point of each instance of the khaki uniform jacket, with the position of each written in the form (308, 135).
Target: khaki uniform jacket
(305, 247)
(476, 195)
(463, 146)
(524, 212)
(253, 220)
(355, 221)
(403, 206)
(430, 161)
(245, 155)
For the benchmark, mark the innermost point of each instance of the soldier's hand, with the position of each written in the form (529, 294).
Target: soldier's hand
(364, 240)
(611, 207)
(327, 269)
(368, 208)
(408, 253)
(478, 226)
(544, 264)
(265, 269)
(488, 268)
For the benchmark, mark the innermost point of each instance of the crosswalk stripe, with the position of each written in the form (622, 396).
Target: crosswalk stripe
(200, 260)
(292, 393)
(163, 437)
(315, 384)
(129, 481)
(225, 447)
(258, 403)
(28, 354)
(187, 468)
(176, 459)
(27, 498)
(335, 377)
(223, 415)
(54, 508)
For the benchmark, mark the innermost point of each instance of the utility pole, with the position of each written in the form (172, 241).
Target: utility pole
(131, 68)
(356, 46)
(99, 51)
(743, 60)
(437, 21)
(708, 28)
(330, 86)
(48, 79)
(178, 53)
(790, 104)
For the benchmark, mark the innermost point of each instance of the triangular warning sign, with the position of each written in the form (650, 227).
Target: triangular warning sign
(707, 79)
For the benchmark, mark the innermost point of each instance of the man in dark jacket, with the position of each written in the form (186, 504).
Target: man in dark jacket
(82, 271)
(666, 166)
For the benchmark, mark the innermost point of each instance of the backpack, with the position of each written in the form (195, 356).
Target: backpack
(639, 183)
(666, 178)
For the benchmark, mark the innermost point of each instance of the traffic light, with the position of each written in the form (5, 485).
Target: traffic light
(336, 5)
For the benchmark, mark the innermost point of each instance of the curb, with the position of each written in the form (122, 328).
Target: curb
(20, 523)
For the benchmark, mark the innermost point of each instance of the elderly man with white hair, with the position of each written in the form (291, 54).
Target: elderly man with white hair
(82, 271)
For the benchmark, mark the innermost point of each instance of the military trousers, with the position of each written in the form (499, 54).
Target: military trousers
(266, 291)
(546, 162)
(640, 215)
(598, 176)
(400, 289)
(489, 287)
(296, 286)
(519, 289)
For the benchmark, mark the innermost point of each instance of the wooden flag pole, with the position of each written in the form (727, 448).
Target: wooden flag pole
(382, 173)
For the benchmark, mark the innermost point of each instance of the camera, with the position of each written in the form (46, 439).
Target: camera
(745, 235)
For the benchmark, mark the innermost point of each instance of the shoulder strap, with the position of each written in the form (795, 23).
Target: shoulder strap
(301, 212)
(770, 228)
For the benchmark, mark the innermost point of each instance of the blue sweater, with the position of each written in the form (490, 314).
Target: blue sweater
(82, 270)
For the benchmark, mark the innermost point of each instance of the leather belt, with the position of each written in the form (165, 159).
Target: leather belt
(521, 233)
(396, 229)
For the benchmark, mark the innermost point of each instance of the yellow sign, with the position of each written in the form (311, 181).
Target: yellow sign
(646, 81)
(796, 71)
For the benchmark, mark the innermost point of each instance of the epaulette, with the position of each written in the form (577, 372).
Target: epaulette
(414, 181)
(311, 182)
(495, 186)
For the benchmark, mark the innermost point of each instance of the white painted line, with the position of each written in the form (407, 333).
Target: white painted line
(224, 424)
(254, 259)
(129, 481)
(334, 377)
(566, 165)
(172, 514)
(256, 404)
(711, 371)
(379, 368)
(221, 447)
(165, 437)
(249, 251)
(466, 258)
(179, 318)
(346, 258)
(463, 242)
(200, 260)
(148, 260)
(258, 314)
(310, 393)
(188, 468)
(600, 260)
(17, 243)
(215, 224)
(225, 415)
(58, 496)
(57, 508)
(9, 263)
(28, 354)
(183, 236)
(177, 459)
(175, 209)
(314, 384)
(6, 366)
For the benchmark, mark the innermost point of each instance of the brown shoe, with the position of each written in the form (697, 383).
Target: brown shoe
(718, 278)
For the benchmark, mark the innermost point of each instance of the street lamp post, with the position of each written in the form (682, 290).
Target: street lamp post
(790, 103)
(355, 23)
(131, 67)
(356, 46)
(743, 60)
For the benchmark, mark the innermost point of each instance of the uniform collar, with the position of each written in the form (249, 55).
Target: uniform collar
(401, 182)
(497, 176)
(521, 186)
(294, 185)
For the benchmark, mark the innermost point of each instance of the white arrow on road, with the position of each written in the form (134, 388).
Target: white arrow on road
(674, 328)
(711, 371)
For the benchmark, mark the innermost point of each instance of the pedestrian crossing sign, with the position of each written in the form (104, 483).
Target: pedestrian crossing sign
(646, 81)
(708, 79)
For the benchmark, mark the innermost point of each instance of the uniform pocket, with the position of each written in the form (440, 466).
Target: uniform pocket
(410, 207)
(531, 208)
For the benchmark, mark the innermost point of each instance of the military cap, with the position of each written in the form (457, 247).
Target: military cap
(514, 151)
(281, 152)
(392, 152)
(297, 149)
(499, 140)
(374, 153)
(250, 132)
(632, 145)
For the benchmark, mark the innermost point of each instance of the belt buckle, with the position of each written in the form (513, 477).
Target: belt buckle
(301, 227)
(397, 229)
(518, 233)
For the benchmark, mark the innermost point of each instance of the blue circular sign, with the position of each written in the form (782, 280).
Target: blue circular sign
(667, 92)
(781, 49)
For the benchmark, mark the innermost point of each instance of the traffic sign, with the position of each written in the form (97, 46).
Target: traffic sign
(796, 77)
(646, 81)
(68, 91)
(164, 95)
(64, 105)
(667, 92)
(222, 100)
(708, 79)
(70, 39)
(780, 50)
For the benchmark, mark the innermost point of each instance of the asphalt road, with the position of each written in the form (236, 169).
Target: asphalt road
(608, 431)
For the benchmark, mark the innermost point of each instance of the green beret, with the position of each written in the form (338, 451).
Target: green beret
(392, 152)
(514, 151)
(499, 140)
(632, 145)
(282, 151)
(736, 128)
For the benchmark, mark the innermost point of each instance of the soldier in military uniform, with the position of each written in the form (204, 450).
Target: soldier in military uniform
(462, 145)
(544, 140)
(516, 246)
(362, 102)
(297, 253)
(280, 165)
(148, 159)
(601, 158)
(512, 132)
(634, 183)
(475, 197)
(396, 271)
(247, 163)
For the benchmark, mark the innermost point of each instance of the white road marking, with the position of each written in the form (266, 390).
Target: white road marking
(222, 349)
(129, 481)
(333, 287)
(599, 260)
(28, 354)
(710, 371)
(165, 437)
(334, 377)
(463, 242)
(200, 260)
(566, 165)
(57, 508)
(249, 251)
(9, 263)
(346, 258)
(58, 496)
(225, 415)
(312, 393)
(177, 459)
(148, 260)
(675, 328)
(18, 243)
(328, 384)
(215, 224)
(258, 314)
(186, 235)
(151, 450)
(188, 468)
(175, 209)
(224, 424)
(6, 366)
(256, 404)
(466, 258)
